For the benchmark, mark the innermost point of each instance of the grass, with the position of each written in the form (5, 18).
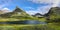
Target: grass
(22, 18)
(41, 19)
(54, 26)
(49, 26)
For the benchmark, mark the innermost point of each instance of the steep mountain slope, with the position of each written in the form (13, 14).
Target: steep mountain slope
(17, 14)
(54, 14)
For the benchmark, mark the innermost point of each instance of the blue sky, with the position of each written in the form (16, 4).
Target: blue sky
(30, 6)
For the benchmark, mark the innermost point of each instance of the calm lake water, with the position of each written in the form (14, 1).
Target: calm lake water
(24, 22)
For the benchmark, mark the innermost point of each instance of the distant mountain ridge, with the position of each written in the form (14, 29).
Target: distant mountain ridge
(38, 15)
(4, 10)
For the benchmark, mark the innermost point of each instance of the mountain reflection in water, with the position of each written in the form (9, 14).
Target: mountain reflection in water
(24, 22)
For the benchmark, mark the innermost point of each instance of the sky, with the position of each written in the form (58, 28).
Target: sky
(30, 6)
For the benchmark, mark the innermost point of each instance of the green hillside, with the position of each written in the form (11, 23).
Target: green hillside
(54, 14)
(16, 15)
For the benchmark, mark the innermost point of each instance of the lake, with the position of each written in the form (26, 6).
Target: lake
(24, 22)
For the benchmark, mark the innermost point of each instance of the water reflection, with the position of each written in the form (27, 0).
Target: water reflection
(24, 22)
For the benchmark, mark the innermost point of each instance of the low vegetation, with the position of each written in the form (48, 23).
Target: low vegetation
(52, 18)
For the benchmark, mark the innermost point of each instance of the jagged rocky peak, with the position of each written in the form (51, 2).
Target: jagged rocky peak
(18, 9)
(55, 8)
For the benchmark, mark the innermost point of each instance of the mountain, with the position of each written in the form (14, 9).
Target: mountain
(38, 15)
(16, 14)
(19, 12)
(53, 14)
(4, 10)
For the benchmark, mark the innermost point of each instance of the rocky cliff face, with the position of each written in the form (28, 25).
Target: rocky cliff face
(54, 13)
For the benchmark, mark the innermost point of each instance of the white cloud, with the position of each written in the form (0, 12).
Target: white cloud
(4, 3)
(53, 2)
(41, 1)
(5, 10)
(32, 12)
(56, 3)
(1, 6)
(29, 8)
(41, 10)
(44, 9)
